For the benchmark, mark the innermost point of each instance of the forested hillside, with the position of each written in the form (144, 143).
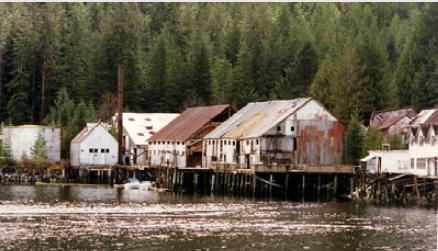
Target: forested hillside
(354, 58)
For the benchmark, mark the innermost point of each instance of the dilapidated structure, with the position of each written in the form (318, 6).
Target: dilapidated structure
(137, 129)
(93, 147)
(426, 117)
(22, 138)
(283, 134)
(179, 143)
(395, 121)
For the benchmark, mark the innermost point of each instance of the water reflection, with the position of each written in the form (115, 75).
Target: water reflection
(83, 218)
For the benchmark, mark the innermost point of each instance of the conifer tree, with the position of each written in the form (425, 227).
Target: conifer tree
(354, 140)
(40, 153)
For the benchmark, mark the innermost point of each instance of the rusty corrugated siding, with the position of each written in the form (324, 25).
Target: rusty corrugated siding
(189, 122)
(320, 142)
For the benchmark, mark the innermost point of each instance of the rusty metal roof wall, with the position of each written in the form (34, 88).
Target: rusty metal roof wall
(423, 116)
(188, 123)
(385, 119)
(81, 136)
(255, 119)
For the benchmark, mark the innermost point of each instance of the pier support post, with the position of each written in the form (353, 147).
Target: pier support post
(254, 185)
(351, 186)
(303, 185)
(286, 186)
(212, 183)
(319, 187)
(335, 185)
(195, 182)
(271, 180)
(417, 191)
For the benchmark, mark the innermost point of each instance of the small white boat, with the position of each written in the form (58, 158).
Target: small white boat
(133, 183)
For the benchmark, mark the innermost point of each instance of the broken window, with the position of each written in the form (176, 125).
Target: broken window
(96, 150)
(278, 128)
(107, 150)
(140, 134)
(292, 128)
(90, 150)
(148, 127)
(131, 119)
(102, 150)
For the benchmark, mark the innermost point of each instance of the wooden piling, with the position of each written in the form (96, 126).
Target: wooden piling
(271, 180)
(286, 186)
(319, 187)
(335, 185)
(303, 187)
(212, 183)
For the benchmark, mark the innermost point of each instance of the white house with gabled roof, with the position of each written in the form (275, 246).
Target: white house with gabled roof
(94, 146)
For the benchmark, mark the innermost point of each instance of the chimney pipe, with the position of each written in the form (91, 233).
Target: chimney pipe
(120, 94)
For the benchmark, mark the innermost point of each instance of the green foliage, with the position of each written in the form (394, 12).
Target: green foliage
(6, 158)
(373, 140)
(396, 142)
(354, 141)
(351, 57)
(40, 152)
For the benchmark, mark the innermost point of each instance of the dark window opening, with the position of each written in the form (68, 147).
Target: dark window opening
(292, 128)
(278, 128)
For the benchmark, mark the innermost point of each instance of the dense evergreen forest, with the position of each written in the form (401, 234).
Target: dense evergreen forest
(58, 60)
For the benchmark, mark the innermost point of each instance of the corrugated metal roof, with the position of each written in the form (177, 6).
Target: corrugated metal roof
(84, 133)
(141, 126)
(423, 116)
(433, 118)
(189, 122)
(384, 119)
(255, 119)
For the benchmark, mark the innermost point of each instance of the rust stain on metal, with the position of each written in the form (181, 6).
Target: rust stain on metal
(187, 124)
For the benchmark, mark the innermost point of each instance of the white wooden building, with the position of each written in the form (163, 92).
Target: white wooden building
(419, 160)
(22, 138)
(93, 146)
(286, 133)
(137, 129)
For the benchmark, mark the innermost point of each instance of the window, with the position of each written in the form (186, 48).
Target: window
(149, 127)
(107, 150)
(421, 163)
(102, 150)
(177, 142)
(257, 141)
(234, 143)
(90, 150)
(96, 150)
(278, 128)
(182, 152)
(247, 142)
(147, 119)
(131, 119)
(140, 134)
(82, 150)
(292, 128)
(225, 142)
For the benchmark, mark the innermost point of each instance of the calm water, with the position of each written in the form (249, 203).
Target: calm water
(91, 218)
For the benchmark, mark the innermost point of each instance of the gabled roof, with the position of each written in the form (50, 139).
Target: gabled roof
(383, 119)
(189, 122)
(433, 118)
(255, 119)
(141, 126)
(84, 133)
(424, 116)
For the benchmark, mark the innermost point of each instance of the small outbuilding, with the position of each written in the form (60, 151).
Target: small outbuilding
(276, 135)
(94, 146)
(179, 143)
(21, 139)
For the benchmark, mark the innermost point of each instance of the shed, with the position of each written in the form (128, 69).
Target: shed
(22, 138)
(287, 133)
(93, 146)
(179, 143)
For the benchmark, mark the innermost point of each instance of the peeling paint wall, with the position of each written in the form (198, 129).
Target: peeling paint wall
(22, 139)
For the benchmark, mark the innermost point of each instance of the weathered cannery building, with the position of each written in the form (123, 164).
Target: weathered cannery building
(395, 121)
(94, 146)
(137, 129)
(283, 134)
(179, 143)
(22, 138)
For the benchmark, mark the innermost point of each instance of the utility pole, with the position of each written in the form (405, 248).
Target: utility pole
(120, 94)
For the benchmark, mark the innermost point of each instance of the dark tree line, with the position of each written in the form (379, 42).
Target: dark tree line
(354, 58)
